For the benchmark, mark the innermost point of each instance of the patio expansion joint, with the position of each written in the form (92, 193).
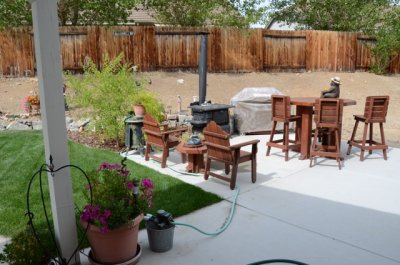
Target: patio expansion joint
(318, 233)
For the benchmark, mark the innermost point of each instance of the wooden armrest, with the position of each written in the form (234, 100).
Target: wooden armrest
(174, 131)
(151, 123)
(226, 148)
(152, 133)
(239, 145)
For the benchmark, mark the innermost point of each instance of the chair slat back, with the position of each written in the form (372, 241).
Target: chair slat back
(152, 130)
(219, 139)
(376, 108)
(280, 107)
(328, 112)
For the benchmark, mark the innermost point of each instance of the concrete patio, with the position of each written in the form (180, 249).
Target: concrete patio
(318, 215)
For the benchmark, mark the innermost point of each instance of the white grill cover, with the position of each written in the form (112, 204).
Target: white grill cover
(253, 109)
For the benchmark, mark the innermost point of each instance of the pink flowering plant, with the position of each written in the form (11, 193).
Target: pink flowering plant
(117, 198)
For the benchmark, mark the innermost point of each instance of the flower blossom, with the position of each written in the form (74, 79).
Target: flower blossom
(130, 185)
(105, 165)
(107, 213)
(147, 183)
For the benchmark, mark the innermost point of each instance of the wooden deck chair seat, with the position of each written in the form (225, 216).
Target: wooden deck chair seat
(281, 113)
(374, 113)
(161, 139)
(328, 122)
(220, 149)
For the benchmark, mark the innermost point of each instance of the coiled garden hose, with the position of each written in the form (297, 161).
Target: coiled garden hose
(223, 227)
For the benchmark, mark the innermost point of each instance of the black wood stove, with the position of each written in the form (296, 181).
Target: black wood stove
(203, 114)
(204, 111)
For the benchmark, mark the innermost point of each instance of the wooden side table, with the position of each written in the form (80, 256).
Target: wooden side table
(195, 157)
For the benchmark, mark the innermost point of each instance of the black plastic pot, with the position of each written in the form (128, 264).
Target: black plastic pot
(160, 239)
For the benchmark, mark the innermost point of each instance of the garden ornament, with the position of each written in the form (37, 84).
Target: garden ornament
(334, 89)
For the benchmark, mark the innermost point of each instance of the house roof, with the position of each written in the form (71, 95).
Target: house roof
(280, 25)
(142, 16)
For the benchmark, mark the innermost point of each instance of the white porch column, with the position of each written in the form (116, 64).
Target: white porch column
(49, 72)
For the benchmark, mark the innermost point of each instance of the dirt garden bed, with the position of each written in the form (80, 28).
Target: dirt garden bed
(222, 87)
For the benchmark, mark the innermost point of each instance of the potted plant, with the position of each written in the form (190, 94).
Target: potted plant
(151, 105)
(112, 219)
(32, 103)
(192, 139)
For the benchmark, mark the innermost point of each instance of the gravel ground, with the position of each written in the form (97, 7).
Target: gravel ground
(222, 87)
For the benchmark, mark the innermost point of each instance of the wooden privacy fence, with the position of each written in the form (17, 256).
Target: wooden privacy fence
(172, 48)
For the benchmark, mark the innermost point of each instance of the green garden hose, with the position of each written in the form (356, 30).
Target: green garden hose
(225, 225)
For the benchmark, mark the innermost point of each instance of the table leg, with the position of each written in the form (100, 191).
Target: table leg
(195, 163)
(306, 114)
(200, 163)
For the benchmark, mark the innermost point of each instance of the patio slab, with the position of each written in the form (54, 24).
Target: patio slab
(318, 215)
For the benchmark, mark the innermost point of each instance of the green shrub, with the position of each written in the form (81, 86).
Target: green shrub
(106, 95)
(24, 249)
(151, 104)
(387, 34)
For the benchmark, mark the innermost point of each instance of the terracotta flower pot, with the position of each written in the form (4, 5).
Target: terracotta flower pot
(35, 107)
(115, 246)
(139, 110)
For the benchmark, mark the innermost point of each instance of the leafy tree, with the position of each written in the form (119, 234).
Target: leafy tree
(92, 12)
(70, 12)
(387, 46)
(14, 13)
(338, 15)
(239, 13)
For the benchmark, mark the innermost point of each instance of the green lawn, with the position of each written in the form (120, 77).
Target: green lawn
(22, 154)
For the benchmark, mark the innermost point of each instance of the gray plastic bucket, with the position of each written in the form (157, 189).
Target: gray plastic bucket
(160, 240)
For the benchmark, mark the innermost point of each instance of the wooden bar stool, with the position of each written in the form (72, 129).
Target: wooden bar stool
(328, 120)
(281, 113)
(375, 112)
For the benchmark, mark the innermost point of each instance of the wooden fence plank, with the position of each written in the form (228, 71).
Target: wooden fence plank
(364, 55)
(177, 49)
(171, 48)
(394, 66)
(284, 51)
(16, 52)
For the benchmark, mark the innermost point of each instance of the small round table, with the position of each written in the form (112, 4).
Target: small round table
(195, 155)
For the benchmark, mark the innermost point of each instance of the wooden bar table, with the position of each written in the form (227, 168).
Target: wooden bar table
(305, 109)
(195, 156)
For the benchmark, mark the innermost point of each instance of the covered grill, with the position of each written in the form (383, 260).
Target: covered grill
(253, 109)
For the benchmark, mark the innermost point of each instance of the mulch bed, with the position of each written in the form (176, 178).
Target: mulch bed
(93, 141)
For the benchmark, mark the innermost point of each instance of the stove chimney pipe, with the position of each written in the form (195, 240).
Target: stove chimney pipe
(203, 67)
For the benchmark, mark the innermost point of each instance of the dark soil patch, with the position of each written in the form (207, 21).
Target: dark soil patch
(93, 141)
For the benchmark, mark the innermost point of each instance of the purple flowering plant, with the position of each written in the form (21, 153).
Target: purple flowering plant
(117, 198)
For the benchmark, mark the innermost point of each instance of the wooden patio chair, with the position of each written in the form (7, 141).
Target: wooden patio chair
(328, 120)
(374, 112)
(281, 113)
(219, 149)
(163, 139)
